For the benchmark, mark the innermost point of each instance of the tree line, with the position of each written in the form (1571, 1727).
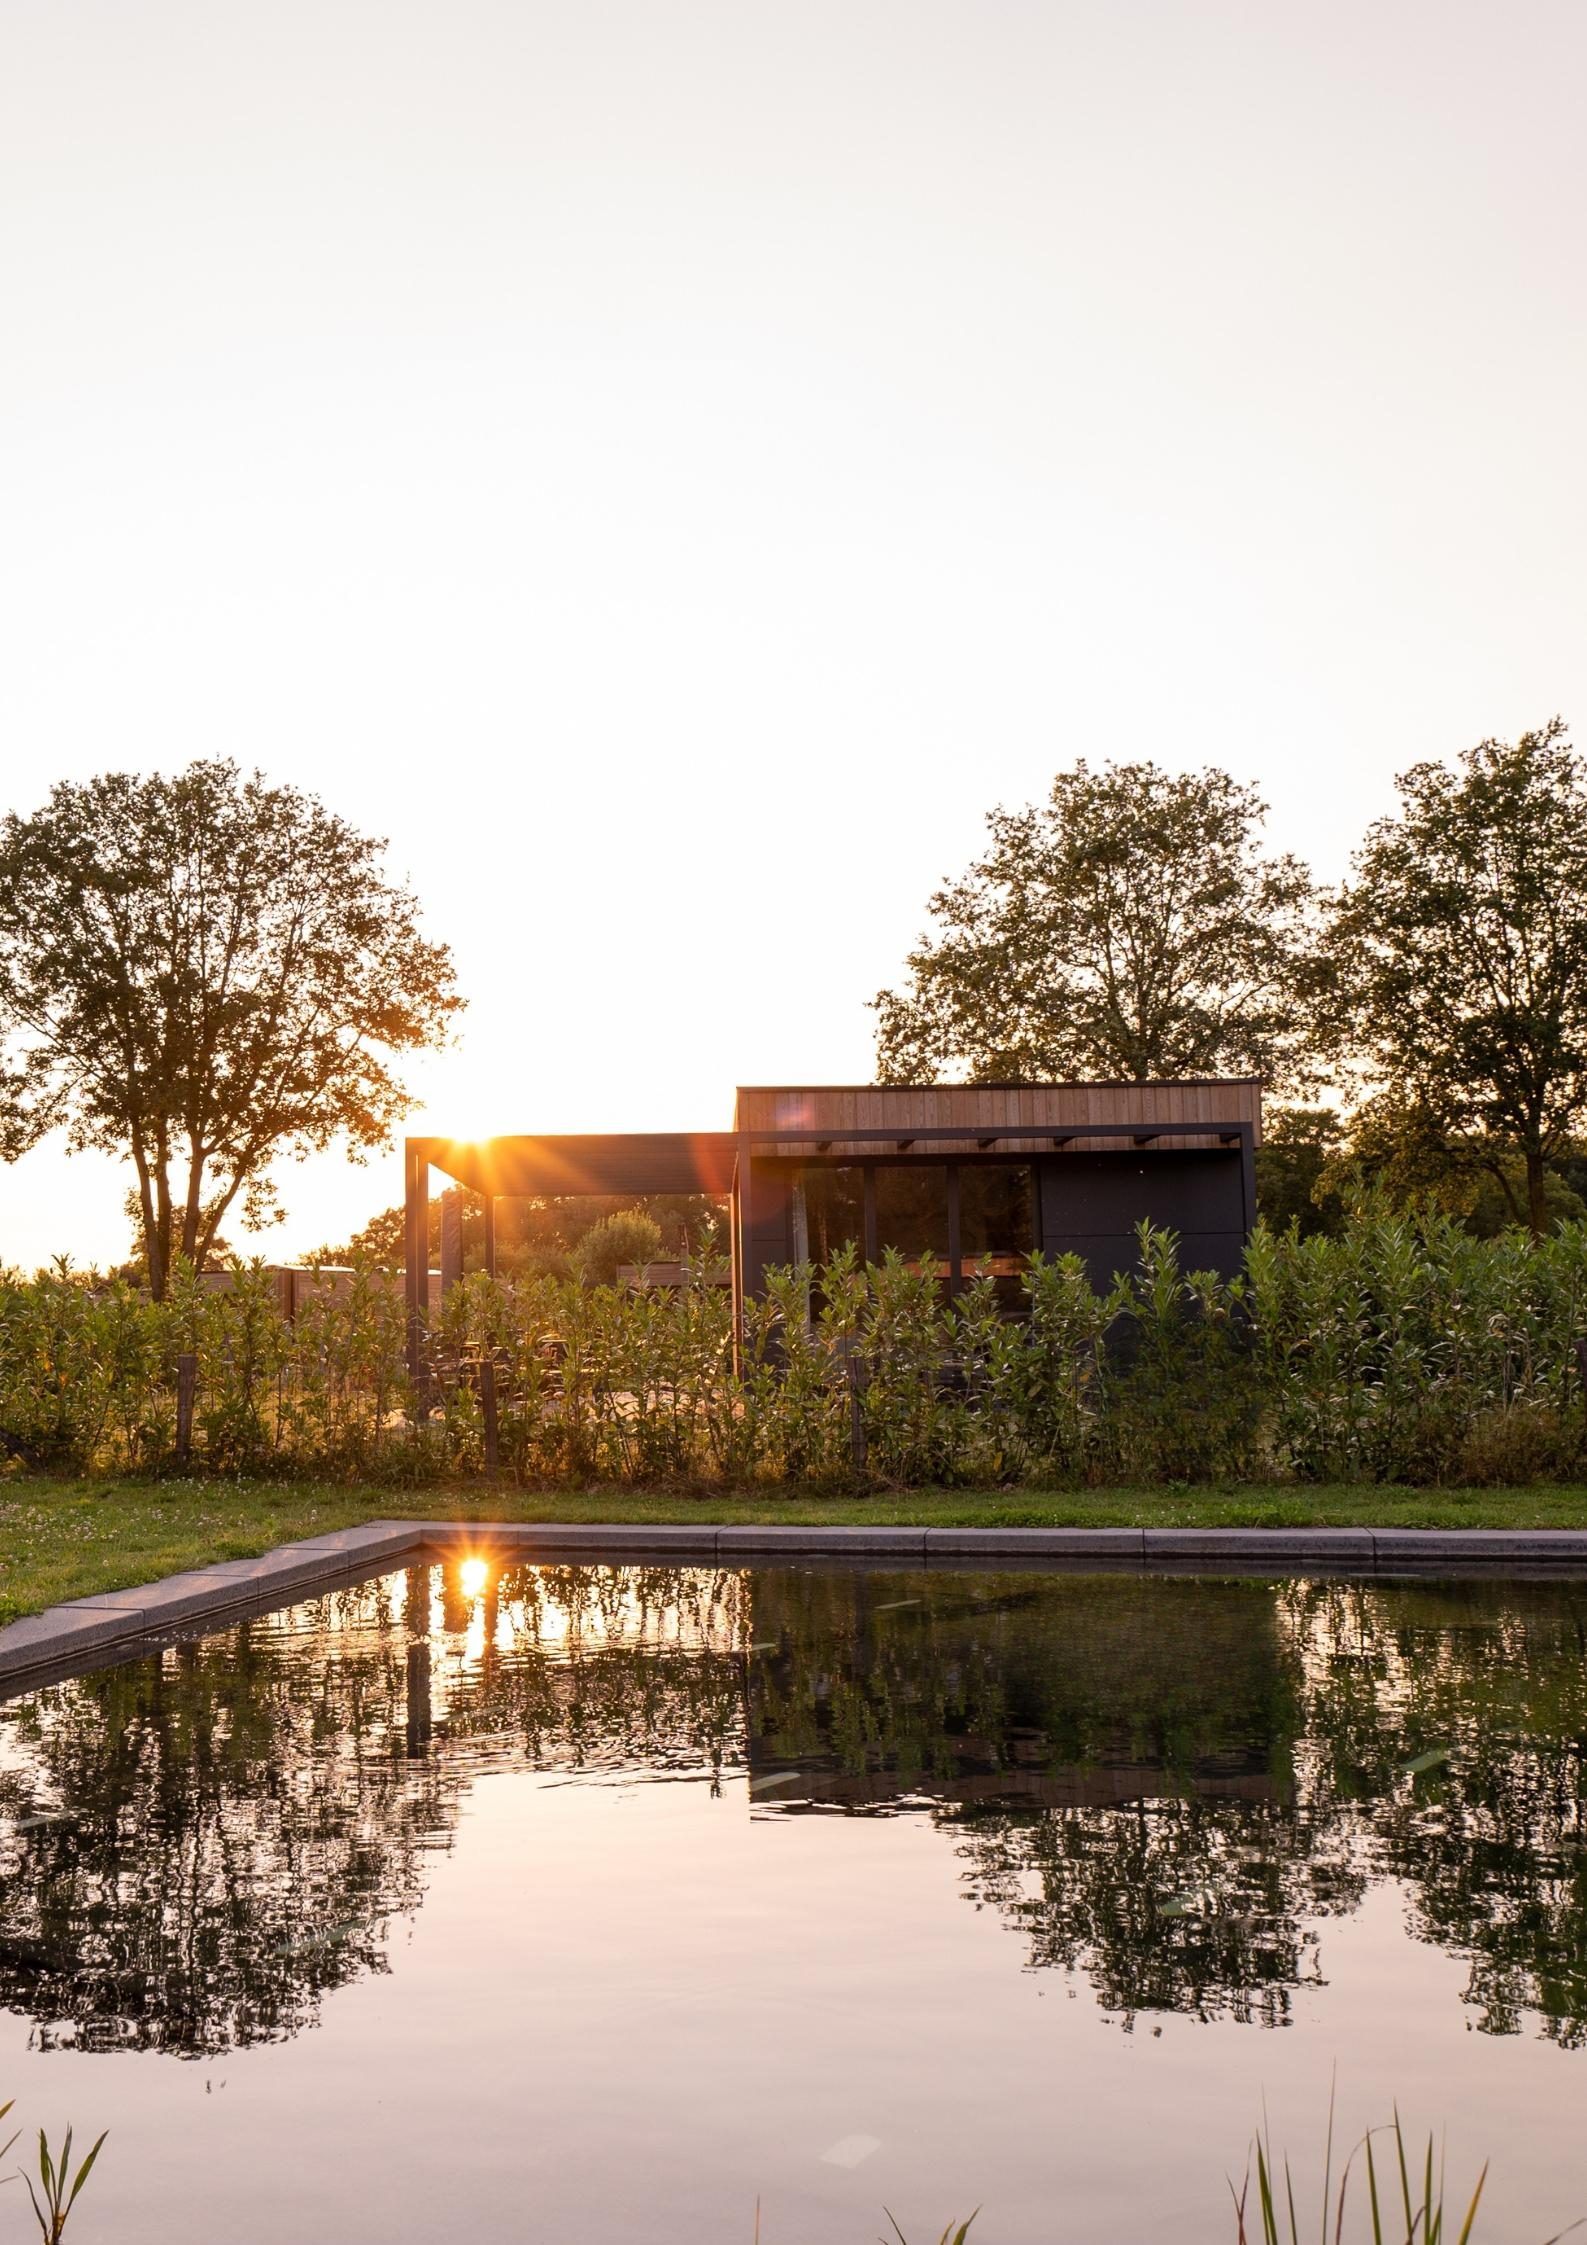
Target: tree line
(206, 974)
(1425, 1022)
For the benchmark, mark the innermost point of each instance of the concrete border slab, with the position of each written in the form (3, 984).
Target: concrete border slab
(152, 1613)
(768, 1542)
(1394, 1547)
(1279, 1548)
(1111, 1547)
(60, 1630)
(529, 1536)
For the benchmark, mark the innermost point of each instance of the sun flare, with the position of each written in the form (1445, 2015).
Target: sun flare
(473, 1576)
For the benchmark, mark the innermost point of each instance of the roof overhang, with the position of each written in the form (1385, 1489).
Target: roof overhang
(658, 1161)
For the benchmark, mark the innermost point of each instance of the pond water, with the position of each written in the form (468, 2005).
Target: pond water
(575, 1903)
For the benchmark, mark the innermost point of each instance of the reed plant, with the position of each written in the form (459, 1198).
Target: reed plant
(57, 2188)
(1402, 2194)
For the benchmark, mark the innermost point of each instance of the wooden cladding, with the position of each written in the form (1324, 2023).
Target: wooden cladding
(897, 1112)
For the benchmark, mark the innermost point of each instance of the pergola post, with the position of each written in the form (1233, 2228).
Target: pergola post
(735, 1249)
(416, 1249)
(451, 1239)
(490, 1235)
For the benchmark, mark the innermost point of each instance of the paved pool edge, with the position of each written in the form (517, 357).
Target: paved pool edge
(86, 1632)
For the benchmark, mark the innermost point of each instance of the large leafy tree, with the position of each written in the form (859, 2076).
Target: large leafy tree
(1130, 926)
(1460, 951)
(205, 973)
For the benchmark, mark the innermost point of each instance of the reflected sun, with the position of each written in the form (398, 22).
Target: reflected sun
(473, 1575)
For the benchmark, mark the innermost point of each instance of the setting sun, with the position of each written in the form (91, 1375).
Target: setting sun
(473, 1576)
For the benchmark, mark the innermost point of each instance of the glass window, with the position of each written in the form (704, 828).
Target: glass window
(996, 1213)
(834, 1205)
(912, 1210)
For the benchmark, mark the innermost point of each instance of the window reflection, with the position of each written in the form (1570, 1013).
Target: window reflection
(912, 1211)
(996, 1215)
(834, 1212)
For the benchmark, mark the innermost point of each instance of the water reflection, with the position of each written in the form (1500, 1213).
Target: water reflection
(1164, 1788)
(195, 1847)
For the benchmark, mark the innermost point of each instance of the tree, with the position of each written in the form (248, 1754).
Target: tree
(1130, 926)
(205, 973)
(383, 1241)
(1460, 958)
(627, 1237)
(1295, 1183)
(1402, 1154)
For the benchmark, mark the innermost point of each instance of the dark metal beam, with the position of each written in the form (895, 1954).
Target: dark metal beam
(820, 1141)
(416, 1249)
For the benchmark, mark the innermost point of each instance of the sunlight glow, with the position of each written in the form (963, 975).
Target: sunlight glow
(473, 1576)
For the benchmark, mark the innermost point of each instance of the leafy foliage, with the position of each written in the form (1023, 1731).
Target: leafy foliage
(547, 1234)
(1404, 1349)
(626, 1237)
(204, 973)
(1128, 927)
(1460, 956)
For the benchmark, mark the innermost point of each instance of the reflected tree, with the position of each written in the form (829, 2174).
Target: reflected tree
(1169, 1787)
(195, 1847)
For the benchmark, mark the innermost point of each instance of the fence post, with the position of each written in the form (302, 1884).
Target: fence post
(187, 1381)
(487, 1406)
(852, 1366)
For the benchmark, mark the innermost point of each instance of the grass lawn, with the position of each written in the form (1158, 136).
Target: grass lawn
(66, 1538)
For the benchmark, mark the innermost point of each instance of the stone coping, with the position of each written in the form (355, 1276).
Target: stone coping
(96, 1631)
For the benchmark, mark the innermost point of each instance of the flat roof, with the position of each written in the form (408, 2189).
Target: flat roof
(1028, 1083)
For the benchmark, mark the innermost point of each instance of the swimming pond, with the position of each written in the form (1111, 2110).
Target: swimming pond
(593, 1903)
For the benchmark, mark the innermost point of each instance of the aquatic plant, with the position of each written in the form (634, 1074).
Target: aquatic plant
(1405, 2204)
(57, 2189)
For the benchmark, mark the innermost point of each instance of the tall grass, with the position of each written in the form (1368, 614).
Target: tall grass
(1402, 2195)
(1403, 1350)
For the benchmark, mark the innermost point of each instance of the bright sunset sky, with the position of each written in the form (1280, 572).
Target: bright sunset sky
(672, 466)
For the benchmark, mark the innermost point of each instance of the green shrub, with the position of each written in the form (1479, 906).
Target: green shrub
(628, 1236)
(1403, 1350)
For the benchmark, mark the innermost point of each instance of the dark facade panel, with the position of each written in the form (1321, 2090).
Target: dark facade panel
(768, 1242)
(1182, 1192)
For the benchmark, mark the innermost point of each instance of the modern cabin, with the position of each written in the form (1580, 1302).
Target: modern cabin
(975, 1175)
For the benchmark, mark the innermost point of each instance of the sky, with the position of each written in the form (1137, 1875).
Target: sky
(673, 465)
